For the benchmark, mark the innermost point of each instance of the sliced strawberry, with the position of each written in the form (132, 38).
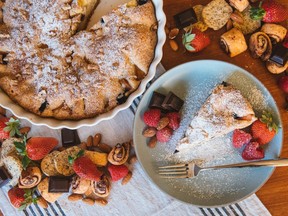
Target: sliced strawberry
(117, 172)
(195, 40)
(253, 151)
(9, 127)
(16, 196)
(38, 147)
(240, 138)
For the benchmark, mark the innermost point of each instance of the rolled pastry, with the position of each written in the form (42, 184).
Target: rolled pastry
(101, 188)
(119, 154)
(276, 68)
(233, 42)
(260, 46)
(79, 185)
(240, 5)
(275, 32)
(30, 177)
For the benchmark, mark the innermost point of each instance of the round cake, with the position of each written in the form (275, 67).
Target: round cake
(53, 68)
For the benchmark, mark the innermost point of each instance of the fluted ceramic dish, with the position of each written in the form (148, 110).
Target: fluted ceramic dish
(103, 8)
(192, 82)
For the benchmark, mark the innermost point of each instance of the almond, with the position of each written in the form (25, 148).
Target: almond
(2, 111)
(167, 31)
(236, 17)
(229, 25)
(152, 142)
(149, 132)
(101, 202)
(173, 33)
(163, 123)
(104, 147)
(88, 201)
(97, 139)
(89, 141)
(42, 202)
(83, 145)
(25, 130)
(127, 178)
(75, 197)
(133, 159)
(173, 45)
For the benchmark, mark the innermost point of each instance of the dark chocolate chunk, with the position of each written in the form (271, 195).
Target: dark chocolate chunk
(279, 54)
(156, 100)
(69, 137)
(185, 18)
(58, 184)
(141, 2)
(4, 177)
(172, 102)
(121, 98)
(43, 106)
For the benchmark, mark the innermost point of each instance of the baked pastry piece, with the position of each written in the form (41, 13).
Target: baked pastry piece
(260, 46)
(276, 32)
(224, 111)
(52, 71)
(240, 5)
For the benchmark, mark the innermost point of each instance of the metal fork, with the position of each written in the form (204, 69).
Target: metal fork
(190, 170)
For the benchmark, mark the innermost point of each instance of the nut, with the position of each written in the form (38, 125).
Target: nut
(75, 197)
(83, 145)
(25, 130)
(88, 201)
(97, 139)
(173, 45)
(149, 132)
(167, 31)
(152, 142)
(42, 202)
(163, 123)
(173, 33)
(133, 159)
(101, 202)
(237, 17)
(229, 25)
(2, 111)
(104, 147)
(89, 142)
(127, 178)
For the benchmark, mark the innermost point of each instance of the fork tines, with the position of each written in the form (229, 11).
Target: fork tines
(174, 171)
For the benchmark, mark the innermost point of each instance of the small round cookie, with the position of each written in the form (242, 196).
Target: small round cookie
(48, 165)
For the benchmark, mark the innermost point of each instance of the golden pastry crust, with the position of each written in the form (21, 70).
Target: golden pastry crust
(53, 71)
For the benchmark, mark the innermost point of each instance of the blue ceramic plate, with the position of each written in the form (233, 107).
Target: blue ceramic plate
(192, 82)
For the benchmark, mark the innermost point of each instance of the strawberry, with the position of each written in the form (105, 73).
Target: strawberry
(253, 151)
(195, 40)
(270, 11)
(164, 134)
(9, 127)
(240, 138)
(84, 167)
(174, 120)
(21, 198)
(264, 130)
(117, 172)
(152, 117)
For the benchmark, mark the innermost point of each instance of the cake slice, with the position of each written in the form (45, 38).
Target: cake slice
(224, 111)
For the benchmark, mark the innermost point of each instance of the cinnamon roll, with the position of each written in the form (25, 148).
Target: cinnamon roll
(119, 154)
(276, 32)
(260, 46)
(79, 185)
(30, 177)
(233, 42)
(102, 187)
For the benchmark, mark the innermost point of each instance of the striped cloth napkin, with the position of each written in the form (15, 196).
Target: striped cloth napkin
(140, 196)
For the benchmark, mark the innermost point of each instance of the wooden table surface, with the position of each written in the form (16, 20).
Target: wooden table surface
(274, 193)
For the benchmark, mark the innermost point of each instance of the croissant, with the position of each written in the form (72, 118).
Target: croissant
(119, 154)
(275, 32)
(101, 188)
(30, 177)
(260, 46)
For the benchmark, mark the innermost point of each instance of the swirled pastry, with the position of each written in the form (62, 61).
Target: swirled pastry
(79, 185)
(276, 32)
(260, 46)
(30, 177)
(119, 154)
(102, 187)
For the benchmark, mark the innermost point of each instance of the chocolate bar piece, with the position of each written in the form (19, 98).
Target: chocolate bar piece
(69, 138)
(172, 102)
(59, 184)
(279, 55)
(156, 100)
(4, 177)
(185, 18)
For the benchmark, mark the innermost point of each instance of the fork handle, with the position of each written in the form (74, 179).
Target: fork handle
(273, 163)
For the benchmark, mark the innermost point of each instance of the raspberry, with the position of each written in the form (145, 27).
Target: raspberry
(252, 151)
(240, 138)
(164, 134)
(117, 172)
(152, 117)
(174, 120)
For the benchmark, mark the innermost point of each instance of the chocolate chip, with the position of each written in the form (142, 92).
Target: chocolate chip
(142, 2)
(43, 106)
(185, 18)
(121, 98)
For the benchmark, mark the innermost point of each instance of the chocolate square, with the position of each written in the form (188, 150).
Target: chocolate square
(156, 100)
(279, 54)
(69, 137)
(58, 184)
(4, 177)
(185, 18)
(172, 102)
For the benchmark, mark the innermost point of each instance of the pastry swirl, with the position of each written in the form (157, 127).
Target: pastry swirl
(119, 154)
(30, 177)
(79, 185)
(102, 187)
(260, 46)
(276, 32)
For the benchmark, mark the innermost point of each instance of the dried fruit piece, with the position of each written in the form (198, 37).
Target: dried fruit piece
(173, 44)
(152, 142)
(162, 123)
(149, 132)
(127, 178)
(75, 197)
(173, 33)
